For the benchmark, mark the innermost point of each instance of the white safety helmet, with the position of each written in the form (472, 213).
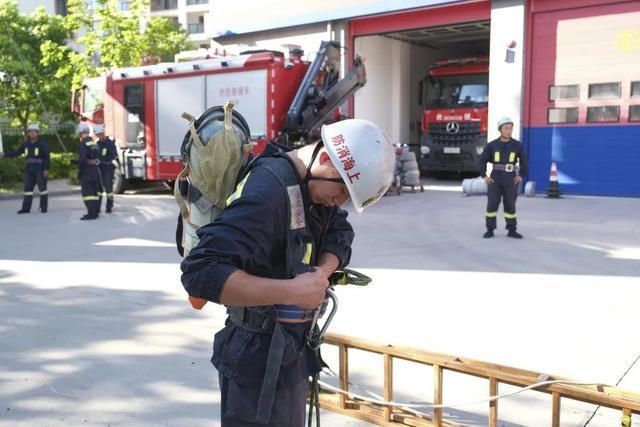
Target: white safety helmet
(504, 121)
(33, 126)
(98, 129)
(84, 128)
(364, 157)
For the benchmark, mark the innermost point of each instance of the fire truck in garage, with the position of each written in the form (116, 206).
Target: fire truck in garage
(281, 98)
(455, 98)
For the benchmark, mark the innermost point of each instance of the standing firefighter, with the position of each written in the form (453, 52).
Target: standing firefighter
(503, 183)
(107, 149)
(88, 165)
(36, 170)
(268, 256)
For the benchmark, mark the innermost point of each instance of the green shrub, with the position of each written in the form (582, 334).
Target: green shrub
(11, 170)
(62, 167)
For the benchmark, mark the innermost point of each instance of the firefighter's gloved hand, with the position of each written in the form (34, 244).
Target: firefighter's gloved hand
(308, 289)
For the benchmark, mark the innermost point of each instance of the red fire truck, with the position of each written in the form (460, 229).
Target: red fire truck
(454, 122)
(282, 98)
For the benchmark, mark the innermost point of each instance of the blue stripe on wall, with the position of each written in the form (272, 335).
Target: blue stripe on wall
(592, 160)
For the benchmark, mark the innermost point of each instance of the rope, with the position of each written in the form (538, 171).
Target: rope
(339, 277)
(450, 405)
(314, 401)
(617, 384)
(349, 277)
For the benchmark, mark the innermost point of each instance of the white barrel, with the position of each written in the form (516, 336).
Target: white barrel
(410, 165)
(466, 186)
(412, 177)
(530, 189)
(408, 155)
(479, 186)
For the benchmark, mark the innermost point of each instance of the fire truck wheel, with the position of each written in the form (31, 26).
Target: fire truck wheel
(119, 182)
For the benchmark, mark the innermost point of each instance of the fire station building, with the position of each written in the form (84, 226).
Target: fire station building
(567, 72)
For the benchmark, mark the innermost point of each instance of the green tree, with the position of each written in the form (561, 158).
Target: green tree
(32, 50)
(120, 38)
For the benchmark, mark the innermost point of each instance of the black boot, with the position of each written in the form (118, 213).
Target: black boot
(513, 233)
(23, 211)
(88, 217)
(488, 234)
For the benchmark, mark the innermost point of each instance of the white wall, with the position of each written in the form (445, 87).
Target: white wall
(384, 99)
(394, 71)
(27, 7)
(506, 79)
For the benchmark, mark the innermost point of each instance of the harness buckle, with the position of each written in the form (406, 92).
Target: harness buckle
(509, 167)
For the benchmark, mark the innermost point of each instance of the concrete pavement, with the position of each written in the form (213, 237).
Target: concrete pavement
(95, 327)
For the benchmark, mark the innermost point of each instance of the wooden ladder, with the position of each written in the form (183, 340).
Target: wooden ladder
(611, 397)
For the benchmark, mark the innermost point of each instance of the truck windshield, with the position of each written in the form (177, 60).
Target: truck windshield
(457, 91)
(93, 92)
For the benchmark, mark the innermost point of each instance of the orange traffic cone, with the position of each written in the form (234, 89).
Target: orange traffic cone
(553, 191)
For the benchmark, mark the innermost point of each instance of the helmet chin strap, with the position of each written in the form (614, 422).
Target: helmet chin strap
(308, 177)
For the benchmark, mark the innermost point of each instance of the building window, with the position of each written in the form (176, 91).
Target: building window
(564, 92)
(125, 6)
(190, 2)
(634, 113)
(604, 90)
(195, 28)
(61, 7)
(635, 89)
(563, 115)
(164, 5)
(603, 114)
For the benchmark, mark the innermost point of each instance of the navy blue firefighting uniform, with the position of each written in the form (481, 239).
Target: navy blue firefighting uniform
(90, 180)
(107, 153)
(38, 160)
(253, 233)
(504, 155)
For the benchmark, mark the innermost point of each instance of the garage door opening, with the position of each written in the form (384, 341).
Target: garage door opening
(421, 80)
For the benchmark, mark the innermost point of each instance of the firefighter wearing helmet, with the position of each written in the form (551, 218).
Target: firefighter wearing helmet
(88, 171)
(107, 154)
(36, 170)
(504, 181)
(268, 257)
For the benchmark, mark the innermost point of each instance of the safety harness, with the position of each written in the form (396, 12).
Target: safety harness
(215, 162)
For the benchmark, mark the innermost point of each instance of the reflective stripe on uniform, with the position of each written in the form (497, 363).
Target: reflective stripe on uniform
(510, 216)
(42, 193)
(28, 193)
(512, 157)
(110, 195)
(90, 143)
(238, 193)
(307, 254)
(496, 157)
(90, 198)
(104, 152)
(491, 214)
(36, 152)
